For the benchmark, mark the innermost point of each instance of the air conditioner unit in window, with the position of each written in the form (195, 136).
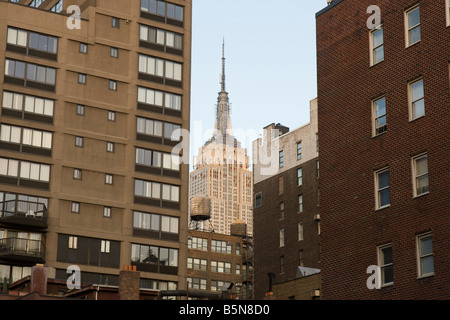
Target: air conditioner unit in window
(317, 217)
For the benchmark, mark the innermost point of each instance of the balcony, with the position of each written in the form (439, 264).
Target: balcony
(23, 213)
(23, 250)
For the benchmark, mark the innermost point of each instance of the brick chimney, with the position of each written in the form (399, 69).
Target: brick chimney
(39, 279)
(129, 283)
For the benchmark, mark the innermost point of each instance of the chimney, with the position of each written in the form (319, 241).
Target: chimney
(129, 283)
(39, 279)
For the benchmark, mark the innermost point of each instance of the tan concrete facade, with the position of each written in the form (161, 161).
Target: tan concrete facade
(106, 194)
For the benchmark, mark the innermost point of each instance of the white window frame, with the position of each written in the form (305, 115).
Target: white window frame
(72, 242)
(408, 29)
(109, 178)
(420, 273)
(378, 190)
(77, 174)
(107, 212)
(300, 231)
(375, 117)
(447, 12)
(75, 207)
(282, 233)
(372, 45)
(412, 102)
(382, 264)
(105, 246)
(415, 175)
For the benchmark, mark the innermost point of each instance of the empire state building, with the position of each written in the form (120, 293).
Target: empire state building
(221, 171)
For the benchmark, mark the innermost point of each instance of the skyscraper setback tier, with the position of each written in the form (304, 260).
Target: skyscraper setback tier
(221, 171)
(88, 107)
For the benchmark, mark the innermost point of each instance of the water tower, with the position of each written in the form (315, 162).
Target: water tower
(200, 214)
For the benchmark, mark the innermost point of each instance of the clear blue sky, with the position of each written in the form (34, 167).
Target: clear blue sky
(270, 51)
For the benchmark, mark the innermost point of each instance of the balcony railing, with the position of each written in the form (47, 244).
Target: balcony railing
(19, 212)
(21, 249)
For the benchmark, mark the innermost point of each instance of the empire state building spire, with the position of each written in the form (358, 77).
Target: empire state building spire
(223, 121)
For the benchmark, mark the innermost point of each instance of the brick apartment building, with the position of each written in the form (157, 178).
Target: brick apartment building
(384, 127)
(86, 172)
(286, 218)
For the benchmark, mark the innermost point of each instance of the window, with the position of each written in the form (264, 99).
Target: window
(111, 116)
(80, 110)
(160, 67)
(107, 212)
(420, 175)
(113, 85)
(159, 8)
(300, 231)
(282, 237)
(280, 185)
(157, 159)
(317, 142)
(281, 159)
(425, 255)
(299, 176)
(377, 46)
(412, 26)
(109, 147)
(159, 98)
(26, 136)
(447, 11)
(198, 243)
(282, 264)
(416, 99)
(29, 104)
(25, 170)
(29, 71)
(154, 255)
(300, 258)
(149, 189)
(282, 210)
(105, 246)
(79, 141)
(221, 267)
(299, 150)
(114, 52)
(160, 37)
(300, 203)
(379, 116)
(197, 283)
(108, 178)
(32, 40)
(382, 188)
(75, 207)
(197, 264)
(81, 78)
(73, 242)
(83, 47)
(221, 246)
(77, 174)
(317, 169)
(57, 7)
(258, 200)
(115, 22)
(385, 263)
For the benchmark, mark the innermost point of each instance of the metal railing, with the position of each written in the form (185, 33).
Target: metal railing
(21, 208)
(22, 246)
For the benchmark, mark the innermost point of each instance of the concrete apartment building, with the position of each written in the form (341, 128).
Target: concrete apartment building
(87, 113)
(384, 149)
(286, 208)
(221, 171)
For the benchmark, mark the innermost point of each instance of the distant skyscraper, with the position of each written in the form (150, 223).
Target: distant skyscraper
(221, 171)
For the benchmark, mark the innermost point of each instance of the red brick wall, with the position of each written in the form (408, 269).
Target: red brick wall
(351, 227)
(267, 224)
